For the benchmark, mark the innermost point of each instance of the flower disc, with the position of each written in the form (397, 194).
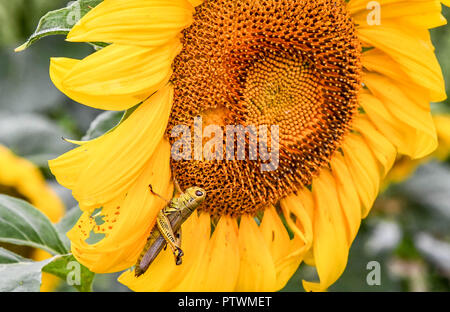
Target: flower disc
(292, 64)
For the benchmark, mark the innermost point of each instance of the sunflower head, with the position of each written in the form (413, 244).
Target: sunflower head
(294, 65)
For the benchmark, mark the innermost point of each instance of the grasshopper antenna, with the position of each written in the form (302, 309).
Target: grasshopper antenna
(151, 190)
(176, 184)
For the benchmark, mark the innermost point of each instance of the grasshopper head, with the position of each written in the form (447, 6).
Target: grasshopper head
(197, 193)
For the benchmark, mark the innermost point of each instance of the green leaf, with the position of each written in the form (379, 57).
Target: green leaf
(23, 224)
(70, 270)
(22, 276)
(107, 122)
(7, 256)
(68, 222)
(104, 123)
(60, 22)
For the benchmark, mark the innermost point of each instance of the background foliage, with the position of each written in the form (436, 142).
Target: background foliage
(407, 231)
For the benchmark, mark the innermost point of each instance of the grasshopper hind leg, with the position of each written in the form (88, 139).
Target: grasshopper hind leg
(178, 256)
(180, 252)
(168, 234)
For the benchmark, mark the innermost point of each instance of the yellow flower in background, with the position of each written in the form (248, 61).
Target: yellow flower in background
(404, 166)
(20, 178)
(442, 122)
(348, 84)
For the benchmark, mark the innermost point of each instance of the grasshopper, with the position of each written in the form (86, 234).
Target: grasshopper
(168, 222)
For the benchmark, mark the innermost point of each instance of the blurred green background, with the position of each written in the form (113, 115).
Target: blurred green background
(407, 231)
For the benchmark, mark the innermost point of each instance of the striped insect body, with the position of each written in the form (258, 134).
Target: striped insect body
(167, 230)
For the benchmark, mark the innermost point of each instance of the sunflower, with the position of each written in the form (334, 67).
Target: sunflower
(20, 178)
(347, 83)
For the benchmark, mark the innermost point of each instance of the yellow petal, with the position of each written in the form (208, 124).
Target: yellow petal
(355, 6)
(67, 167)
(423, 14)
(303, 210)
(121, 154)
(148, 23)
(286, 254)
(60, 66)
(163, 274)
(330, 234)
(393, 129)
(301, 206)
(348, 196)
(255, 259)
(126, 221)
(222, 258)
(116, 77)
(383, 150)
(218, 269)
(197, 249)
(364, 170)
(408, 106)
(411, 49)
(196, 2)
(378, 61)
